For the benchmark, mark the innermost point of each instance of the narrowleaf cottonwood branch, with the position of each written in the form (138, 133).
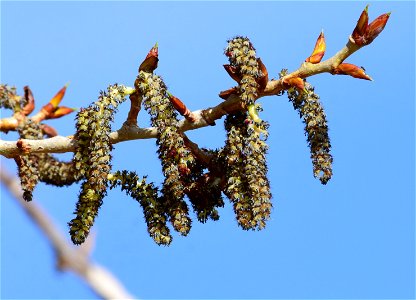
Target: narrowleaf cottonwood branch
(242, 159)
(203, 117)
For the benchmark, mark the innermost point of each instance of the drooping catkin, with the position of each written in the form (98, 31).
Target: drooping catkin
(92, 158)
(176, 159)
(58, 173)
(313, 116)
(236, 185)
(247, 184)
(255, 172)
(153, 206)
(28, 165)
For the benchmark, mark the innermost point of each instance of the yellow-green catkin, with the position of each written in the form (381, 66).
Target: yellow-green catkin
(236, 186)
(55, 172)
(153, 206)
(175, 157)
(92, 158)
(316, 129)
(8, 97)
(242, 56)
(247, 184)
(255, 172)
(28, 165)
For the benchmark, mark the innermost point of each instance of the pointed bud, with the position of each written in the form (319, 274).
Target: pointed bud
(232, 71)
(181, 108)
(360, 28)
(318, 51)
(48, 130)
(60, 112)
(352, 70)
(376, 27)
(295, 82)
(30, 101)
(149, 64)
(58, 97)
(264, 78)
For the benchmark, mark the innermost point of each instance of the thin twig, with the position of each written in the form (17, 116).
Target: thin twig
(77, 260)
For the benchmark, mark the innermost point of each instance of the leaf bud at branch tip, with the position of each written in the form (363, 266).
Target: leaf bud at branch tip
(149, 64)
(365, 33)
(319, 50)
(360, 28)
(376, 27)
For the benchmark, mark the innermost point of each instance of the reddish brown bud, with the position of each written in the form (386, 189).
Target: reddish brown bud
(264, 78)
(232, 71)
(360, 28)
(60, 112)
(318, 51)
(227, 93)
(181, 108)
(58, 97)
(30, 101)
(295, 82)
(352, 70)
(365, 33)
(149, 64)
(48, 130)
(376, 27)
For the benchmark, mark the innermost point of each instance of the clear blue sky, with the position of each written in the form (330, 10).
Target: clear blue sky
(353, 238)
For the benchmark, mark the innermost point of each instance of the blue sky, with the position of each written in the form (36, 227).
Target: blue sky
(353, 238)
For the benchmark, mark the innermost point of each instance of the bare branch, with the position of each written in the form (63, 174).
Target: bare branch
(97, 277)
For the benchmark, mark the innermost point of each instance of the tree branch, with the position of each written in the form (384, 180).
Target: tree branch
(203, 118)
(100, 280)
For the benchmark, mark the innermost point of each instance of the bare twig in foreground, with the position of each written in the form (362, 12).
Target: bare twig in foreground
(100, 280)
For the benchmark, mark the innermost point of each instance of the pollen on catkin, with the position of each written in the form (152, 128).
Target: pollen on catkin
(92, 158)
(242, 57)
(247, 185)
(28, 165)
(313, 116)
(153, 205)
(176, 159)
(236, 186)
(255, 172)
(8, 97)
